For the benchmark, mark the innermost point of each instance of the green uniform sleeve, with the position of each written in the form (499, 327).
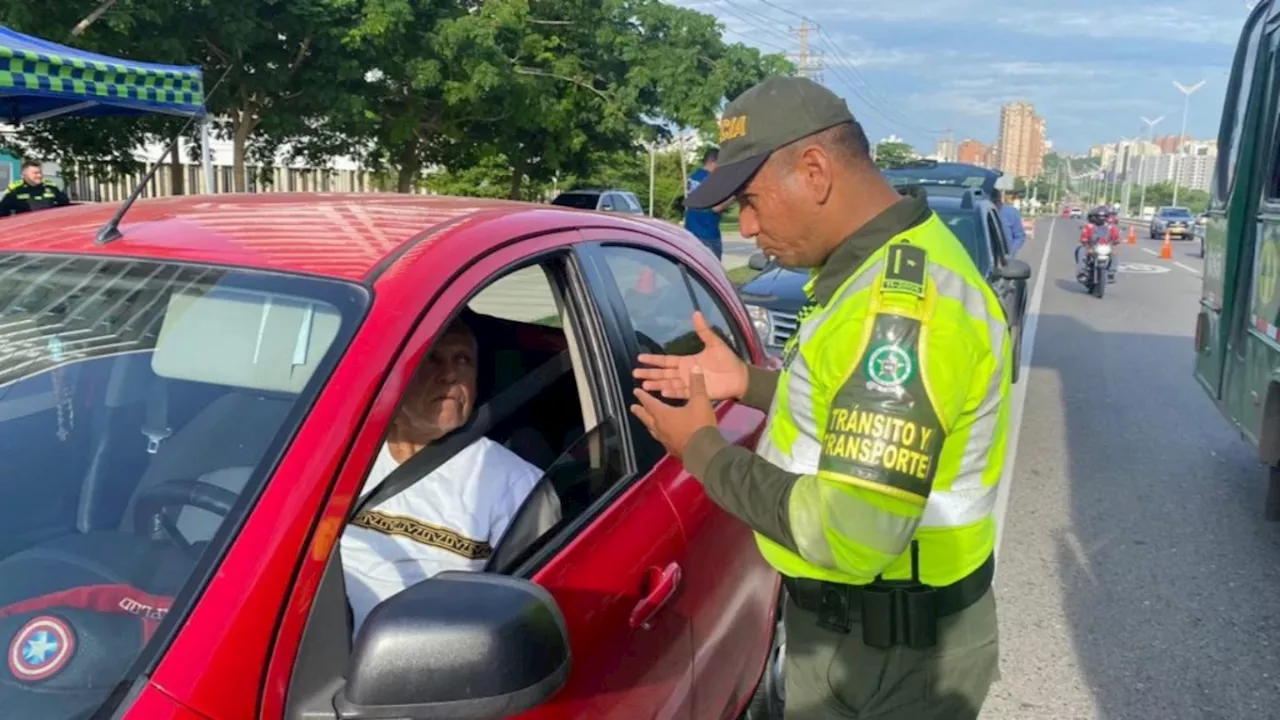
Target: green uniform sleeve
(883, 437)
(744, 484)
(761, 385)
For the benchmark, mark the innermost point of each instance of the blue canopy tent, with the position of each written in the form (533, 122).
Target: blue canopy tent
(40, 79)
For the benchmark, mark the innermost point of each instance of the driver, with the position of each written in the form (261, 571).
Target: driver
(1098, 227)
(453, 518)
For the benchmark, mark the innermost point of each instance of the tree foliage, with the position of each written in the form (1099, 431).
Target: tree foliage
(533, 92)
(891, 155)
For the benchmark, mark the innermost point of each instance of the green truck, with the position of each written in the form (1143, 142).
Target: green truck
(1237, 332)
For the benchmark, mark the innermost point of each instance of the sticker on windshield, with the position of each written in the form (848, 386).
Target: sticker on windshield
(41, 649)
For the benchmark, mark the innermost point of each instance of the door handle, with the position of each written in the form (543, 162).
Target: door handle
(659, 587)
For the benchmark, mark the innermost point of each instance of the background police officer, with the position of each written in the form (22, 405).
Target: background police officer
(32, 192)
(873, 488)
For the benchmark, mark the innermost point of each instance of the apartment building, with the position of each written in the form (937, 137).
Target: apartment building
(1021, 140)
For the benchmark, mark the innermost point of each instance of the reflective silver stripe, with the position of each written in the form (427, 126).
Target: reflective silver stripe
(804, 510)
(806, 451)
(982, 430)
(953, 508)
(853, 518)
(800, 379)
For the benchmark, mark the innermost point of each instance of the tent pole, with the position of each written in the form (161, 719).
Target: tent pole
(206, 136)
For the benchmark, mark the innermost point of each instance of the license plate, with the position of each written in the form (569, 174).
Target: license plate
(1177, 230)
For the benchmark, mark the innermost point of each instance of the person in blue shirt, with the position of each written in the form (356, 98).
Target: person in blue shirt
(705, 224)
(1012, 221)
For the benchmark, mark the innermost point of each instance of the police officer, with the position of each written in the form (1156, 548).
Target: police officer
(32, 192)
(873, 487)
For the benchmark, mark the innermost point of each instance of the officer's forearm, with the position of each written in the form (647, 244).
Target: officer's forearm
(761, 384)
(746, 485)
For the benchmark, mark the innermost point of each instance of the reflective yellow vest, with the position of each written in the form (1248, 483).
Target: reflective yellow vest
(892, 406)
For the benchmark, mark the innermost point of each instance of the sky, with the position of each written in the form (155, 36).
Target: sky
(917, 68)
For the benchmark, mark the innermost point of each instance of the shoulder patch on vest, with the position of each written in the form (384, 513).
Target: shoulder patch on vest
(905, 269)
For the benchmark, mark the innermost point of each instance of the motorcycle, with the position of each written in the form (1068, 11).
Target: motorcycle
(1094, 274)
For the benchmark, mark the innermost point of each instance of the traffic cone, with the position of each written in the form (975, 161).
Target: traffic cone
(1166, 250)
(1133, 236)
(645, 284)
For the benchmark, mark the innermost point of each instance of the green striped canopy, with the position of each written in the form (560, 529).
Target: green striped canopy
(40, 79)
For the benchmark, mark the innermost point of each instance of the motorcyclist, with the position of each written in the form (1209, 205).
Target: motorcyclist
(1099, 228)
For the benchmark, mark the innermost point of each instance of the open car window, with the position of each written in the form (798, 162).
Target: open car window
(143, 405)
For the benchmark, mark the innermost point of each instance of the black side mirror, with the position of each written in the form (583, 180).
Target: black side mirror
(460, 645)
(1015, 270)
(757, 262)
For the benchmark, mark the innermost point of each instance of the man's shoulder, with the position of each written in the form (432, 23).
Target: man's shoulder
(496, 457)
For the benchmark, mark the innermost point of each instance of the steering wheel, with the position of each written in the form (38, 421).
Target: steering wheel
(151, 518)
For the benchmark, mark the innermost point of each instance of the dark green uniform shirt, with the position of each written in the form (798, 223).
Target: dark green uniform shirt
(25, 197)
(735, 478)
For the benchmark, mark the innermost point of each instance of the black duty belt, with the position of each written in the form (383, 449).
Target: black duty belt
(904, 610)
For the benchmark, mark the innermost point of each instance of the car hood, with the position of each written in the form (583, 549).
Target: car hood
(776, 289)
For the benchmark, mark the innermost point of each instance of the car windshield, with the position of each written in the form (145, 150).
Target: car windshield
(581, 201)
(142, 407)
(957, 174)
(964, 223)
(1176, 212)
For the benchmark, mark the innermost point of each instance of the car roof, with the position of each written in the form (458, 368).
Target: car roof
(348, 236)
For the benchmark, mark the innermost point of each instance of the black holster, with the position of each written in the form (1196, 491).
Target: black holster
(899, 612)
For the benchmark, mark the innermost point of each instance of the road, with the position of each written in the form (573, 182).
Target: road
(1137, 578)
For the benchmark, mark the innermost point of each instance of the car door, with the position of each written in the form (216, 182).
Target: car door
(612, 560)
(729, 591)
(1007, 290)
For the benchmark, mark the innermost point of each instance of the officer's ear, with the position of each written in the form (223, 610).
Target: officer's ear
(815, 166)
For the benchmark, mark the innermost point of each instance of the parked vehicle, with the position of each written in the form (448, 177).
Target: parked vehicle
(1237, 327)
(959, 194)
(190, 411)
(619, 201)
(1177, 220)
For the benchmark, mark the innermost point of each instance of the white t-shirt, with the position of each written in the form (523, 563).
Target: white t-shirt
(450, 520)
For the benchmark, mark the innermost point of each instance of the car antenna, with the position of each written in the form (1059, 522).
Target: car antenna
(111, 231)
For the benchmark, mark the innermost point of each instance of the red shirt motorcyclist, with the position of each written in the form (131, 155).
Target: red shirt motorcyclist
(1100, 218)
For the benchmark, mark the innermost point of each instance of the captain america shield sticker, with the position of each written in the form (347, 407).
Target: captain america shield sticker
(41, 649)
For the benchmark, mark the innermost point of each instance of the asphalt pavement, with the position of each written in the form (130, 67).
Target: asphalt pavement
(1136, 576)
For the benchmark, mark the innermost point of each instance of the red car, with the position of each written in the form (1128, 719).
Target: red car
(188, 412)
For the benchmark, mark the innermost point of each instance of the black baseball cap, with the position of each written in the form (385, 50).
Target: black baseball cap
(772, 114)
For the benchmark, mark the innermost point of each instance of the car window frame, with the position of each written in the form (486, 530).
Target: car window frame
(321, 646)
(606, 202)
(997, 243)
(648, 451)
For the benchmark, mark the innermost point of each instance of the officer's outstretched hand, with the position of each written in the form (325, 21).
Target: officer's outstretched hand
(674, 426)
(724, 371)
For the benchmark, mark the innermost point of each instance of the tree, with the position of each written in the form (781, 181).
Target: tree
(891, 155)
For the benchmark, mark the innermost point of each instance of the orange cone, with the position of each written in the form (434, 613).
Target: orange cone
(1133, 236)
(1166, 250)
(645, 283)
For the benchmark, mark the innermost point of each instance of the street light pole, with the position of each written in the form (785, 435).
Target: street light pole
(1186, 107)
(1151, 131)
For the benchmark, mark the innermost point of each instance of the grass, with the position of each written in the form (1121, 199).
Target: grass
(740, 276)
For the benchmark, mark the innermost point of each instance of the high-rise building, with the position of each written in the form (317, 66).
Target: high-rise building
(972, 152)
(945, 150)
(1021, 140)
(1169, 143)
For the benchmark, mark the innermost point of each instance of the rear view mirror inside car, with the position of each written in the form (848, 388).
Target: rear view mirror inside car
(459, 645)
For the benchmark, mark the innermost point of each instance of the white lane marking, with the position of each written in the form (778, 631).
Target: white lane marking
(1191, 270)
(1029, 325)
